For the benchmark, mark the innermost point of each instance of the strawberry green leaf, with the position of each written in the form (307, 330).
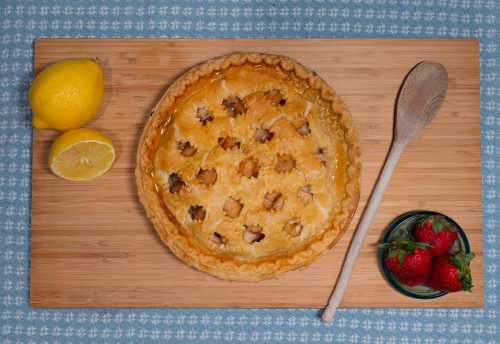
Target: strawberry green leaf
(410, 246)
(439, 223)
(437, 227)
(422, 245)
(467, 283)
(457, 262)
(400, 248)
(401, 257)
(468, 257)
(462, 261)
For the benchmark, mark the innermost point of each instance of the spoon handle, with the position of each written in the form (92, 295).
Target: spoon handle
(397, 149)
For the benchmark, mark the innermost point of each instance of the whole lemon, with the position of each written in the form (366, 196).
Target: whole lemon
(66, 94)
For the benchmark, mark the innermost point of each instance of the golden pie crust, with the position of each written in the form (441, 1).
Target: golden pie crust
(249, 167)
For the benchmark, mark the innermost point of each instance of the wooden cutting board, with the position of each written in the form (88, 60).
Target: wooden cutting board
(92, 245)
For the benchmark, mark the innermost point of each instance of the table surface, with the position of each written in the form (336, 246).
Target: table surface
(22, 23)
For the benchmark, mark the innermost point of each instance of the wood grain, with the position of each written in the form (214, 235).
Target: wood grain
(92, 245)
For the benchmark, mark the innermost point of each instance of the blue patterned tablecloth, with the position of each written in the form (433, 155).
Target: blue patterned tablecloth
(22, 22)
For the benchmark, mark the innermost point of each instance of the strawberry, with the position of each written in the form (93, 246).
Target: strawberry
(409, 261)
(451, 273)
(436, 231)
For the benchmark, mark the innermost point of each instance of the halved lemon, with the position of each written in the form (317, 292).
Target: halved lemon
(81, 154)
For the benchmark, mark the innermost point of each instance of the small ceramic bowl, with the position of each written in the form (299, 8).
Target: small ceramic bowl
(406, 222)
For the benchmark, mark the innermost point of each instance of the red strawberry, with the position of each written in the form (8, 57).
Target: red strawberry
(409, 261)
(436, 231)
(451, 273)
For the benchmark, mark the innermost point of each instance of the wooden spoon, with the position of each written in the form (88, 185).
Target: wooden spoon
(419, 99)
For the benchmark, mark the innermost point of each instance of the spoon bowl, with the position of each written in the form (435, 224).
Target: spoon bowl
(420, 97)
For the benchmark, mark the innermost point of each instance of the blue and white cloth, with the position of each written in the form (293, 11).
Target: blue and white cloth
(21, 22)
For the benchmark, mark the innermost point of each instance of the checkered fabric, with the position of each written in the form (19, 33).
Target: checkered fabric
(23, 21)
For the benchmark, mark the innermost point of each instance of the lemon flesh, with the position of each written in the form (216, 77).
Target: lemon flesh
(67, 94)
(81, 154)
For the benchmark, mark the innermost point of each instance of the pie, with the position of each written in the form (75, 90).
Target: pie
(249, 167)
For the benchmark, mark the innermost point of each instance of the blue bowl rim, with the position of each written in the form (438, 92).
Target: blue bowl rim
(392, 226)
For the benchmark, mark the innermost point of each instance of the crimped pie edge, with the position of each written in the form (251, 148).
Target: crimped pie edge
(165, 223)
